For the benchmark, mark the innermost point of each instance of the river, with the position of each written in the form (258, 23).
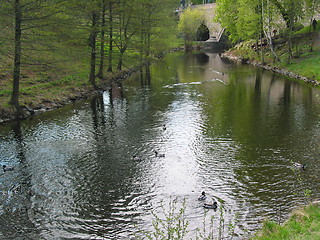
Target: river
(231, 130)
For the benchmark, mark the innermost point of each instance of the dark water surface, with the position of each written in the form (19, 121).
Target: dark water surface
(233, 131)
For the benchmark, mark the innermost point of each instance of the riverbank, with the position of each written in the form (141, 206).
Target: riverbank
(304, 66)
(283, 71)
(46, 96)
(233, 56)
(50, 90)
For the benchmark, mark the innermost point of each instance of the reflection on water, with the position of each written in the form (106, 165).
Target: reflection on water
(233, 131)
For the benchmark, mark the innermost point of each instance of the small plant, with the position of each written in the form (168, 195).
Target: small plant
(172, 226)
(202, 233)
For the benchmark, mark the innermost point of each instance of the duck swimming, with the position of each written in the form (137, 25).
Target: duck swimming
(160, 155)
(202, 196)
(299, 165)
(136, 158)
(6, 168)
(213, 205)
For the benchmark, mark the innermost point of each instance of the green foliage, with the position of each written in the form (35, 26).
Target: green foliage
(190, 21)
(249, 20)
(227, 14)
(245, 19)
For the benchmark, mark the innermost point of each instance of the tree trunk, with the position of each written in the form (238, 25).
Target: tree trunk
(120, 61)
(17, 55)
(93, 38)
(103, 24)
(110, 36)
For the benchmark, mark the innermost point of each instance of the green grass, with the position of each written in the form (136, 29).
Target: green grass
(304, 224)
(307, 65)
(308, 29)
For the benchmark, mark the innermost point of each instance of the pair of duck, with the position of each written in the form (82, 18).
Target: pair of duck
(7, 168)
(213, 205)
(159, 155)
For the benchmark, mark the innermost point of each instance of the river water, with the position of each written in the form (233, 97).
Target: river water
(231, 130)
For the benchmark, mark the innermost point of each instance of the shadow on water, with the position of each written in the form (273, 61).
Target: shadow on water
(16, 194)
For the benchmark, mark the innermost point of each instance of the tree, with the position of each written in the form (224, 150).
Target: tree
(110, 22)
(126, 27)
(17, 53)
(267, 17)
(190, 21)
(291, 11)
(93, 46)
(28, 18)
(102, 37)
(227, 15)
(245, 18)
(156, 25)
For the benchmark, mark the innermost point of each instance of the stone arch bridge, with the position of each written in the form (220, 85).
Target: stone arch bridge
(215, 29)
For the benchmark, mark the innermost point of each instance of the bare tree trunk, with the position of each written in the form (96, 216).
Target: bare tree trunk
(102, 52)
(120, 61)
(17, 55)
(268, 33)
(92, 43)
(110, 36)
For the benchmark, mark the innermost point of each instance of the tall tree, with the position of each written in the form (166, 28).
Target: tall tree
(227, 15)
(93, 46)
(291, 11)
(17, 53)
(110, 22)
(157, 24)
(29, 18)
(102, 37)
(268, 21)
(126, 28)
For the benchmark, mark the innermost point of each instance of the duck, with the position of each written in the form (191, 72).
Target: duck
(213, 205)
(136, 158)
(202, 196)
(159, 155)
(7, 168)
(299, 165)
(164, 127)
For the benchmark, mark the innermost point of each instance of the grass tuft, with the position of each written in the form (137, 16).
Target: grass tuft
(304, 224)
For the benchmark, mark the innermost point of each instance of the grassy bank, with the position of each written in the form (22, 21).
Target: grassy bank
(306, 54)
(55, 85)
(304, 224)
(49, 91)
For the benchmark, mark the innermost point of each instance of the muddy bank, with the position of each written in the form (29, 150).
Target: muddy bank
(281, 71)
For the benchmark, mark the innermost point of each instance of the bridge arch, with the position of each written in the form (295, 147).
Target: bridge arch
(215, 29)
(203, 33)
